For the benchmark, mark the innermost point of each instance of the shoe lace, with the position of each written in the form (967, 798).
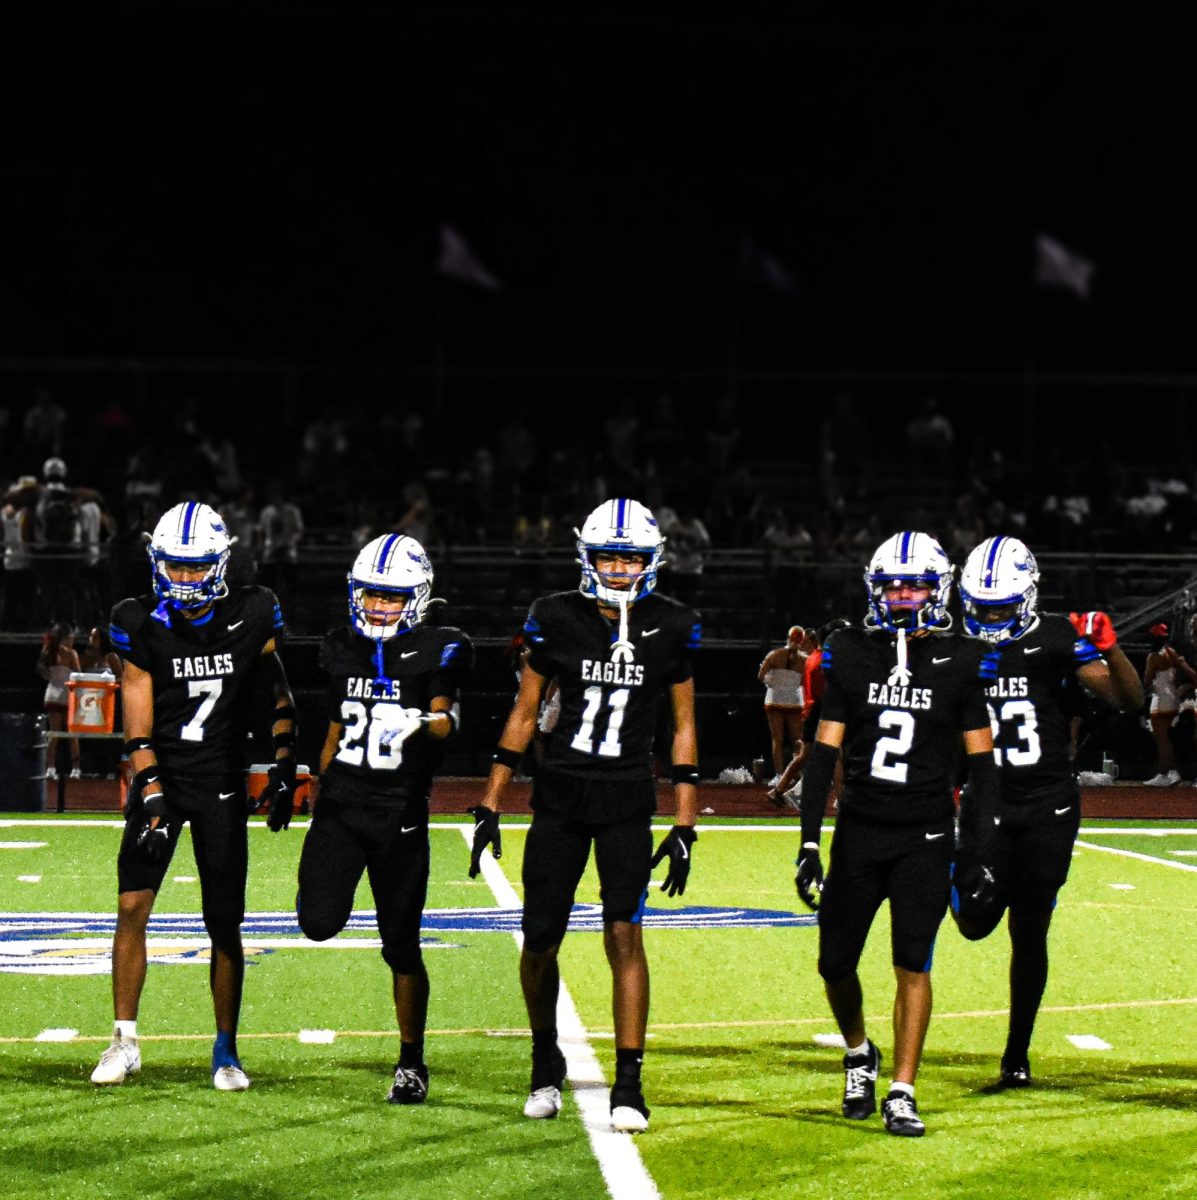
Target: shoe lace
(857, 1082)
(901, 1107)
(408, 1079)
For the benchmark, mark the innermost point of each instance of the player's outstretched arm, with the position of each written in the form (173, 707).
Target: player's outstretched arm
(1115, 681)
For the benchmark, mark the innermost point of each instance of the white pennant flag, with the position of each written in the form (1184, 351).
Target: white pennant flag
(1058, 266)
(458, 261)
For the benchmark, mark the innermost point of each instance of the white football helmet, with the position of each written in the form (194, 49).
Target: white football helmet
(909, 557)
(190, 535)
(614, 526)
(392, 563)
(1000, 573)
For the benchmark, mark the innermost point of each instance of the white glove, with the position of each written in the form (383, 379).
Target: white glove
(399, 723)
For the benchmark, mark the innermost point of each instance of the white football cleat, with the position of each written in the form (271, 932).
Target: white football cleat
(625, 1119)
(543, 1104)
(230, 1079)
(118, 1062)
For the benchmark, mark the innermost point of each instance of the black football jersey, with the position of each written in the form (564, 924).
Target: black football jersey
(203, 674)
(369, 682)
(608, 707)
(903, 739)
(1030, 705)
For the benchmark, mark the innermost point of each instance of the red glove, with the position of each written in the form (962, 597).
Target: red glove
(1097, 627)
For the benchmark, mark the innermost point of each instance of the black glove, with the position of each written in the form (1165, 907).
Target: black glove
(486, 833)
(676, 844)
(809, 877)
(975, 884)
(153, 840)
(279, 792)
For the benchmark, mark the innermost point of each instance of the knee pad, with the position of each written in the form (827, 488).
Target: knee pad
(404, 958)
(543, 931)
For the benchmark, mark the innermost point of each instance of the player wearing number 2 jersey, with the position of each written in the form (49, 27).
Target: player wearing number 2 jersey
(614, 648)
(192, 650)
(902, 692)
(1037, 657)
(393, 692)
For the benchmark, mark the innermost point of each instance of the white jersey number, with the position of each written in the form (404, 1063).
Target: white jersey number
(1026, 729)
(583, 740)
(210, 690)
(892, 747)
(358, 720)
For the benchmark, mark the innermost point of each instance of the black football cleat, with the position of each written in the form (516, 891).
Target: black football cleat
(1014, 1075)
(902, 1116)
(860, 1084)
(410, 1086)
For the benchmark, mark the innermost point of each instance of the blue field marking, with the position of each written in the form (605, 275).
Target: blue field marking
(585, 918)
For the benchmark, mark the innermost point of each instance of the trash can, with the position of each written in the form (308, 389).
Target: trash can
(23, 762)
(91, 702)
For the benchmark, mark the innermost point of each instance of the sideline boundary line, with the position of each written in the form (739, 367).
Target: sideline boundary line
(1163, 862)
(619, 1160)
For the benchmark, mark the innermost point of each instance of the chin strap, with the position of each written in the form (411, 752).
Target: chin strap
(622, 650)
(900, 674)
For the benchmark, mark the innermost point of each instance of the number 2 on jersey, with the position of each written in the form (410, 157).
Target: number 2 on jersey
(584, 739)
(892, 747)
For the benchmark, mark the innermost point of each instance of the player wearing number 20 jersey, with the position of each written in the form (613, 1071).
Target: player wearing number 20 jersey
(393, 692)
(1038, 658)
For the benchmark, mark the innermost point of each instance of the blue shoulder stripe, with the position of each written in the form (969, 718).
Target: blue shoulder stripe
(694, 642)
(1084, 651)
(532, 629)
(120, 639)
(448, 652)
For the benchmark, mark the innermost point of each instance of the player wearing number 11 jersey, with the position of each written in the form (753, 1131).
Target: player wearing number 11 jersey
(192, 650)
(1038, 656)
(393, 699)
(902, 693)
(615, 649)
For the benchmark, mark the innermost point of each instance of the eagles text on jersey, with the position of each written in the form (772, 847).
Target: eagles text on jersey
(903, 735)
(608, 706)
(202, 672)
(429, 661)
(1029, 706)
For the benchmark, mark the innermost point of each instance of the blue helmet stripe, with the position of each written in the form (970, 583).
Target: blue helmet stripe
(991, 560)
(189, 520)
(904, 552)
(620, 517)
(384, 553)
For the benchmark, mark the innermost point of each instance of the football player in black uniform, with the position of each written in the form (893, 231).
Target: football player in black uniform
(191, 651)
(393, 699)
(1038, 656)
(901, 695)
(614, 647)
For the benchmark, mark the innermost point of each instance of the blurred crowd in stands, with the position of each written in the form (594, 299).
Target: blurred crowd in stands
(820, 474)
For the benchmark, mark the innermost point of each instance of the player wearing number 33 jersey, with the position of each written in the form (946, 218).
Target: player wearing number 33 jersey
(392, 701)
(903, 693)
(615, 648)
(1038, 659)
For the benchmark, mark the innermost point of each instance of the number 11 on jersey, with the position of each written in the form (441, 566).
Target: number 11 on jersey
(583, 740)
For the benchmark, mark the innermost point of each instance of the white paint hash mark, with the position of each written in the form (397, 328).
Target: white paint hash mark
(21, 845)
(29, 879)
(183, 879)
(318, 1037)
(1123, 887)
(57, 1035)
(1088, 1041)
(833, 1041)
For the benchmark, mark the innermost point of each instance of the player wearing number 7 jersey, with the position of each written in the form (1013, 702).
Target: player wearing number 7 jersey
(392, 701)
(902, 693)
(1038, 658)
(192, 652)
(615, 648)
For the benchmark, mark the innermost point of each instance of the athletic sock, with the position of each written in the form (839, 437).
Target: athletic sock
(411, 1054)
(224, 1050)
(627, 1067)
(126, 1030)
(907, 1089)
(859, 1051)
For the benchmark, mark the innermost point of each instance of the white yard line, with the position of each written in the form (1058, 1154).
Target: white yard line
(619, 1160)
(1163, 862)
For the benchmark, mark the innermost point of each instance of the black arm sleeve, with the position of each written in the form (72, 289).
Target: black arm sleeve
(816, 787)
(979, 805)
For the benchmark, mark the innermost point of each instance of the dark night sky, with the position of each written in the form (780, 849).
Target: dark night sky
(266, 180)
